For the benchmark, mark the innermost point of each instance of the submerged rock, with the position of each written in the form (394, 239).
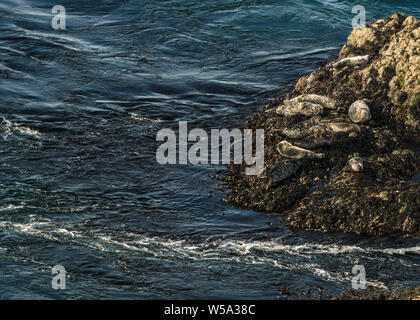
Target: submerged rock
(378, 194)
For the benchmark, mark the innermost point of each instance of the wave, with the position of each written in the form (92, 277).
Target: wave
(288, 257)
(10, 130)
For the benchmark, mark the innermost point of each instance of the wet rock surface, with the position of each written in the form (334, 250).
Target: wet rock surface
(358, 177)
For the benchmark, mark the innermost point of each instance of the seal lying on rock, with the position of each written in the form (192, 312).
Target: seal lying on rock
(356, 163)
(313, 127)
(282, 171)
(288, 150)
(319, 136)
(359, 112)
(353, 61)
(338, 127)
(300, 130)
(314, 98)
(307, 109)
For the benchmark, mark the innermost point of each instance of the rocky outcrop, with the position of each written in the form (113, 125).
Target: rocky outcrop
(364, 178)
(393, 70)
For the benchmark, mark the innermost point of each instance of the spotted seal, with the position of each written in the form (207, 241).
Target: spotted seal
(288, 150)
(319, 136)
(356, 163)
(314, 98)
(307, 109)
(316, 130)
(282, 171)
(340, 127)
(359, 112)
(300, 130)
(353, 61)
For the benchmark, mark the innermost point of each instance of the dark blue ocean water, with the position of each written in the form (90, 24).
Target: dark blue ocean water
(79, 183)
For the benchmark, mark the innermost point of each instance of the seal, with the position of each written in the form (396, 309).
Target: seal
(322, 131)
(356, 163)
(319, 136)
(353, 130)
(282, 171)
(300, 130)
(339, 127)
(288, 150)
(324, 101)
(353, 61)
(307, 109)
(359, 112)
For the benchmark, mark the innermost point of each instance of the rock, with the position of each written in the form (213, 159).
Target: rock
(372, 293)
(384, 196)
(359, 112)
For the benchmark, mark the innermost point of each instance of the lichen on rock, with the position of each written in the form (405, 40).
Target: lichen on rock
(324, 193)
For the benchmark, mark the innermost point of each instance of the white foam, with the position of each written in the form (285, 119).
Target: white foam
(139, 117)
(248, 251)
(8, 128)
(10, 207)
